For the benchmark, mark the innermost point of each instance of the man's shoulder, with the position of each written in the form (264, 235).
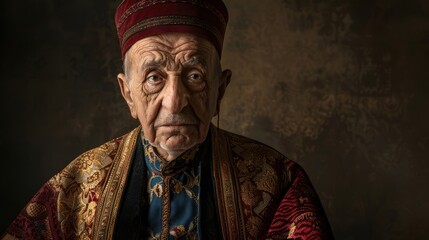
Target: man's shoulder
(69, 199)
(96, 158)
(91, 166)
(245, 146)
(248, 153)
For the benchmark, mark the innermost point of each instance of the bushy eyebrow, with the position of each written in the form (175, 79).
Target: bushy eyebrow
(195, 61)
(159, 63)
(154, 64)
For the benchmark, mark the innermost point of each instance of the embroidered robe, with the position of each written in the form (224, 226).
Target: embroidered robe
(260, 194)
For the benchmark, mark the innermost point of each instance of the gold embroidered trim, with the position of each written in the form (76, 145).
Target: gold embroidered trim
(170, 20)
(226, 188)
(107, 208)
(166, 211)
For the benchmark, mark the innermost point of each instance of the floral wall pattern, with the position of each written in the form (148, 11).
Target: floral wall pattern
(341, 87)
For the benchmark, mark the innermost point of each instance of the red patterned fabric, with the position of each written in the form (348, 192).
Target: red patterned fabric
(260, 194)
(136, 20)
(277, 199)
(300, 214)
(65, 206)
(38, 220)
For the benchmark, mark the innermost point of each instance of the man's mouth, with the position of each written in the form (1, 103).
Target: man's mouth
(175, 124)
(175, 121)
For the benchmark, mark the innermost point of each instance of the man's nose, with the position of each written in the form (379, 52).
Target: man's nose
(176, 95)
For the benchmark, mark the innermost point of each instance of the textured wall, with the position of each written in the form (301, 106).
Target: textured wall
(342, 88)
(338, 86)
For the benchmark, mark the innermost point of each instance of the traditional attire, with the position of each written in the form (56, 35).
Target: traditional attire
(228, 187)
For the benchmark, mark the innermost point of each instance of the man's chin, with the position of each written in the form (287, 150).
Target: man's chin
(173, 148)
(177, 143)
(177, 138)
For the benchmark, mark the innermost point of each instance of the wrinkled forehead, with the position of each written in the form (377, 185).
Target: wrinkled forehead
(173, 46)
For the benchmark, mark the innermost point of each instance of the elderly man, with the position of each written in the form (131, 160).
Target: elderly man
(176, 176)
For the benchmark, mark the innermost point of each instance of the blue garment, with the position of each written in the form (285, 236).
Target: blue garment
(174, 189)
(140, 219)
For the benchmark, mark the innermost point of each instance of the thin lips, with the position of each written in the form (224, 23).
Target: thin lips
(176, 120)
(175, 124)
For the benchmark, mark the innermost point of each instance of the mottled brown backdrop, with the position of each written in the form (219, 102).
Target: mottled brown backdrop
(341, 87)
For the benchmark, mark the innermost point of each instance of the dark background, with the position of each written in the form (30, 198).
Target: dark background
(341, 87)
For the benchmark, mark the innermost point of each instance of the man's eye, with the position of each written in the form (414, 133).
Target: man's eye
(195, 77)
(153, 78)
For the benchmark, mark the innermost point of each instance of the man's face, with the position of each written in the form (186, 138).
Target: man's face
(173, 84)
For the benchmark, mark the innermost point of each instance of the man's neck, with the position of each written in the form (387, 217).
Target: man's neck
(168, 155)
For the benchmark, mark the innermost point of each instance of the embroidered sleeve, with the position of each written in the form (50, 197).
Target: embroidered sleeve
(64, 207)
(300, 214)
(38, 220)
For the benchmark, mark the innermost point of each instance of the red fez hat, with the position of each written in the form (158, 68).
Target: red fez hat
(136, 20)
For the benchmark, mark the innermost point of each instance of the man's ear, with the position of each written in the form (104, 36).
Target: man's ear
(224, 81)
(126, 93)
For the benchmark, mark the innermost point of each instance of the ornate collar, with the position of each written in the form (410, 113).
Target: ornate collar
(167, 168)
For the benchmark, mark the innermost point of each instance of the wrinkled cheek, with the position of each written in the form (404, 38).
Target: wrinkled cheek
(147, 128)
(147, 116)
(211, 102)
(201, 107)
(149, 132)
